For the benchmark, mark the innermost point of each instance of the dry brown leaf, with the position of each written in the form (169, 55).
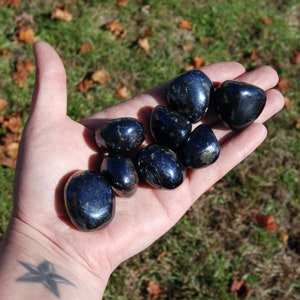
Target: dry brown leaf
(283, 84)
(287, 103)
(205, 41)
(266, 20)
(3, 104)
(12, 122)
(13, 3)
(144, 44)
(154, 289)
(187, 47)
(22, 71)
(240, 289)
(254, 54)
(4, 52)
(24, 19)
(296, 57)
(100, 76)
(85, 47)
(25, 35)
(297, 124)
(162, 255)
(84, 85)
(122, 2)
(60, 13)
(266, 221)
(284, 237)
(198, 62)
(185, 24)
(117, 29)
(122, 92)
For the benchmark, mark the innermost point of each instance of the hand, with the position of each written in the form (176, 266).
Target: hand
(54, 146)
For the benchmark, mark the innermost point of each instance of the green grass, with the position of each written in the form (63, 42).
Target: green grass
(217, 237)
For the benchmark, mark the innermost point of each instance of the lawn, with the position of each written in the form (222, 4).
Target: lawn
(113, 50)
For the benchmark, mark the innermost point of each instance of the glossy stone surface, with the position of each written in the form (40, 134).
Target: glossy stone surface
(201, 149)
(239, 104)
(89, 200)
(190, 93)
(120, 135)
(168, 127)
(159, 166)
(121, 174)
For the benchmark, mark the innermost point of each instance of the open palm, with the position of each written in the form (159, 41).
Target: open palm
(54, 146)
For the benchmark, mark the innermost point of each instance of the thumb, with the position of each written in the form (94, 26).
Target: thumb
(49, 101)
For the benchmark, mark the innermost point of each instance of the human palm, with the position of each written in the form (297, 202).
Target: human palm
(54, 146)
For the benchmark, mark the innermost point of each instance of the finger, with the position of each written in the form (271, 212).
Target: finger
(233, 151)
(139, 106)
(49, 98)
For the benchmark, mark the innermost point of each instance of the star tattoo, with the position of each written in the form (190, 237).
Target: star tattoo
(44, 274)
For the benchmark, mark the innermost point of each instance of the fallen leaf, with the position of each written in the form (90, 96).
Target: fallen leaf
(122, 2)
(100, 76)
(144, 44)
(284, 237)
(122, 92)
(60, 13)
(3, 104)
(266, 20)
(185, 24)
(189, 68)
(4, 52)
(198, 62)
(12, 122)
(205, 41)
(162, 255)
(84, 85)
(266, 221)
(154, 289)
(296, 57)
(287, 103)
(187, 47)
(22, 71)
(85, 47)
(297, 124)
(117, 29)
(13, 3)
(240, 289)
(24, 19)
(254, 54)
(25, 35)
(283, 84)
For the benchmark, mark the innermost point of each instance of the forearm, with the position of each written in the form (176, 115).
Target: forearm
(32, 268)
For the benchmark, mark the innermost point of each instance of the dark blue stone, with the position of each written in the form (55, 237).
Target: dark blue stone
(159, 166)
(201, 149)
(190, 93)
(89, 200)
(239, 104)
(168, 127)
(121, 174)
(120, 135)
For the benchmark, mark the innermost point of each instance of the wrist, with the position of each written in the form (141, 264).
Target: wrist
(33, 266)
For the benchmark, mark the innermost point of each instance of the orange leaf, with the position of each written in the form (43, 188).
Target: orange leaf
(85, 47)
(187, 47)
(25, 35)
(122, 92)
(266, 20)
(84, 85)
(198, 62)
(144, 44)
(254, 54)
(100, 76)
(4, 52)
(154, 289)
(284, 237)
(22, 70)
(287, 103)
(117, 29)
(61, 13)
(14, 3)
(122, 2)
(240, 289)
(296, 57)
(283, 84)
(185, 24)
(3, 104)
(297, 124)
(266, 221)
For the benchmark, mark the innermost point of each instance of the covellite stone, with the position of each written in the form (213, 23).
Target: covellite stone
(89, 200)
(201, 149)
(120, 135)
(190, 93)
(239, 104)
(121, 174)
(160, 167)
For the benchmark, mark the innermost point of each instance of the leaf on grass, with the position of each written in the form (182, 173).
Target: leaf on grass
(296, 57)
(198, 62)
(122, 92)
(254, 54)
(162, 255)
(13, 3)
(24, 19)
(4, 52)
(265, 221)
(187, 47)
(84, 85)
(60, 13)
(297, 124)
(122, 2)
(284, 237)
(117, 29)
(22, 71)
(100, 76)
(185, 24)
(240, 289)
(83, 48)
(283, 84)
(144, 44)
(154, 289)
(287, 103)
(25, 35)
(266, 20)
(3, 104)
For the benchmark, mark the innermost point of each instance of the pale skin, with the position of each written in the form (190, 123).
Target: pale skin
(53, 146)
